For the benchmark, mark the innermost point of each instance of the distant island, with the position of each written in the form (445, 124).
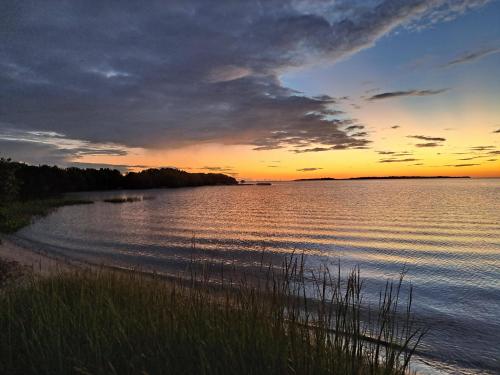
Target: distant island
(378, 178)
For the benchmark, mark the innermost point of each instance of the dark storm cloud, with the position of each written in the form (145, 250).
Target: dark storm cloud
(428, 144)
(174, 73)
(308, 169)
(396, 94)
(471, 56)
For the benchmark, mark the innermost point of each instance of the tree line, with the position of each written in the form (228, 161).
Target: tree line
(23, 181)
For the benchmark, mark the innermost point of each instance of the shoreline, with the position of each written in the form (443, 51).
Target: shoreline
(132, 297)
(39, 262)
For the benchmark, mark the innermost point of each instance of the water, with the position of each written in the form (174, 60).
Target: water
(445, 232)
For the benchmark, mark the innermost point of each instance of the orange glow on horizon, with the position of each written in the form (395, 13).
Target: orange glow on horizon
(469, 126)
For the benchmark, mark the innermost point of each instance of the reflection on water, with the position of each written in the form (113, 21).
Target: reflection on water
(445, 232)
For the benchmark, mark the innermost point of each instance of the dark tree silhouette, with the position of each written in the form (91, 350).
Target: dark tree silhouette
(23, 181)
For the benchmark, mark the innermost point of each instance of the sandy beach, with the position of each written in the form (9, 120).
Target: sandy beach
(40, 262)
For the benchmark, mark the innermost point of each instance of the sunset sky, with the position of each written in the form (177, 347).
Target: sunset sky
(256, 89)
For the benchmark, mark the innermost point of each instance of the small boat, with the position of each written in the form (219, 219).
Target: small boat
(263, 183)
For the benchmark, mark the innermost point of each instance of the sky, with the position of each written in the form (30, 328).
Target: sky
(256, 89)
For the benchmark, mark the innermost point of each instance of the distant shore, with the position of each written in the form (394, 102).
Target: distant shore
(378, 178)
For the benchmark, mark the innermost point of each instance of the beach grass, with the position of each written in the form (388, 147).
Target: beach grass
(106, 322)
(17, 214)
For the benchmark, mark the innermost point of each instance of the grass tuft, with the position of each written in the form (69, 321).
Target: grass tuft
(102, 322)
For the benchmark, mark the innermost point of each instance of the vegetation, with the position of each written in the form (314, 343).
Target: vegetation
(22, 181)
(15, 215)
(27, 191)
(10, 272)
(98, 322)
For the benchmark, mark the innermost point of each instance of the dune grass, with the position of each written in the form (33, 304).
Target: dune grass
(102, 322)
(17, 214)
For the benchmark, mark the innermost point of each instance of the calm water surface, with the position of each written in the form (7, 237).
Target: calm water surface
(445, 232)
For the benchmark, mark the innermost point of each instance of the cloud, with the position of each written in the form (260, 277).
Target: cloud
(395, 127)
(59, 141)
(314, 149)
(398, 160)
(40, 147)
(461, 165)
(394, 153)
(482, 148)
(216, 169)
(496, 131)
(396, 94)
(473, 158)
(471, 56)
(354, 127)
(308, 169)
(359, 144)
(176, 73)
(433, 141)
(428, 144)
(426, 138)
(359, 134)
(228, 73)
